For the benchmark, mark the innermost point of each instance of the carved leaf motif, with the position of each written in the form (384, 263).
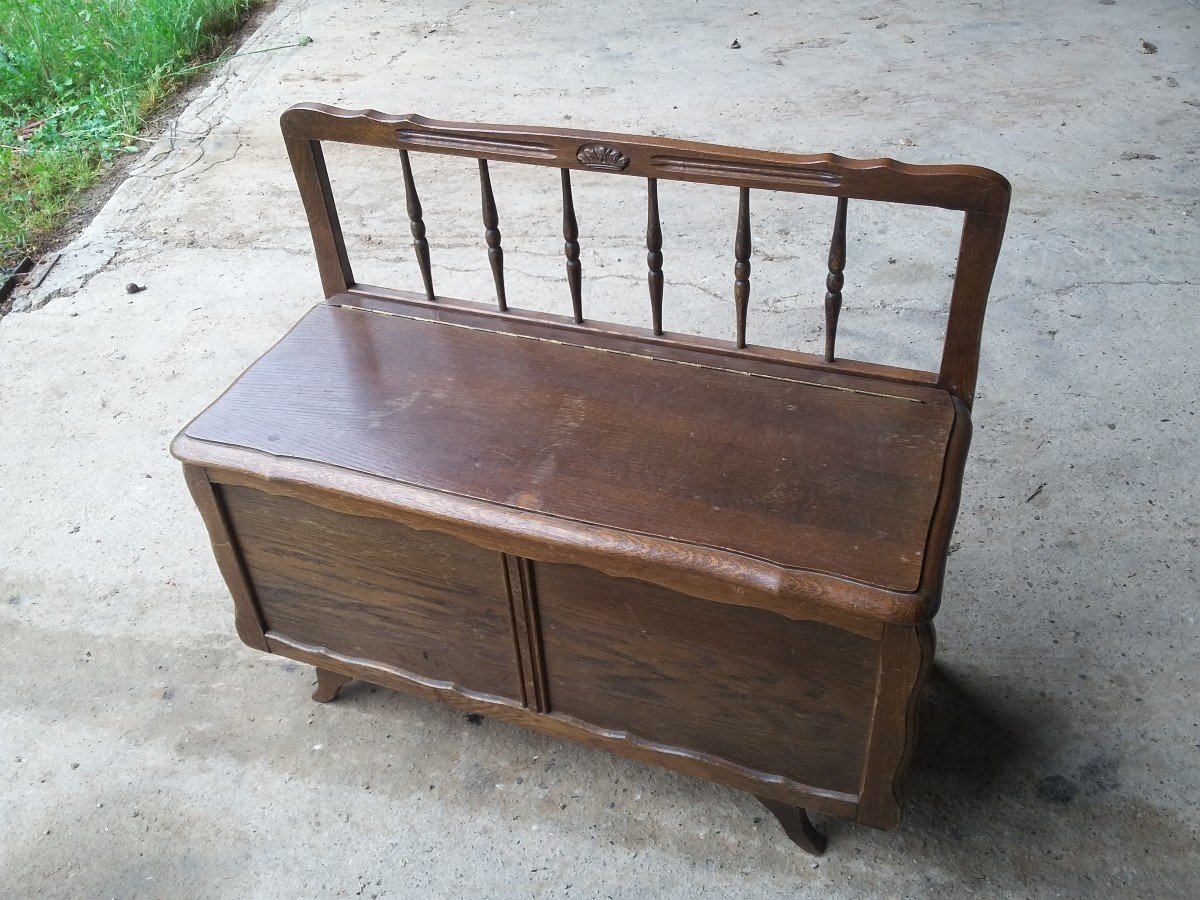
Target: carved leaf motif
(598, 156)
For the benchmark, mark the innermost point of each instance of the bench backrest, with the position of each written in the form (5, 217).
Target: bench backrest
(981, 194)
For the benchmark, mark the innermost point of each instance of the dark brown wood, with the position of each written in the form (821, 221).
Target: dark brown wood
(372, 589)
(794, 699)
(906, 655)
(718, 575)
(329, 683)
(741, 267)
(967, 188)
(312, 178)
(796, 825)
(247, 615)
(654, 257)
(491, 224)
(317, 394)
(518, 575)
(719, 559)
(982, 194)
(561, 726)
(980, 249)
(521, 628)
(383, 299)
(416, 224)
(835, 279)
(571, 248)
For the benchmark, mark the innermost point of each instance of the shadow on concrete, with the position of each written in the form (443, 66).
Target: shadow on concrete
(987, 805)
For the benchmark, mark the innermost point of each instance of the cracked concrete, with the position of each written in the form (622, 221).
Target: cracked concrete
(148, 753)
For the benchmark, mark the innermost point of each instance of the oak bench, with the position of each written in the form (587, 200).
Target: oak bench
(716, 557)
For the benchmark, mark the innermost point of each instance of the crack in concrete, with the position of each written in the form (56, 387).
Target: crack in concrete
(216, 91)
(1076, 285)
(77, 266)
(450, 20)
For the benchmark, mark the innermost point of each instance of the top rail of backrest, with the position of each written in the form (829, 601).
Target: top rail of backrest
(966, 188)
(981, 194)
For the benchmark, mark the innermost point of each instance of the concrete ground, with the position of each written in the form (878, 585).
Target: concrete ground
(148, 753)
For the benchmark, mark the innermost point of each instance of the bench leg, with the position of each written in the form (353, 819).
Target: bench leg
(796, 825)
(328, 684)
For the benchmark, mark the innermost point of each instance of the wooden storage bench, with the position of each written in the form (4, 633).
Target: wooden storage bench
(719, 558)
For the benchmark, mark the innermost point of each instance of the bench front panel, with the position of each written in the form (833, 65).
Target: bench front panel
(737, 693)
(775, 695)
(372, 590)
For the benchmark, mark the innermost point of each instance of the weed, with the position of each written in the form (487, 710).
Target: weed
(77, 80)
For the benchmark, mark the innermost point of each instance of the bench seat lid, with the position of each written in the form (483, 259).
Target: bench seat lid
(837, 477)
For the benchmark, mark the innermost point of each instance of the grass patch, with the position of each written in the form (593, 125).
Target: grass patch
(77, 80)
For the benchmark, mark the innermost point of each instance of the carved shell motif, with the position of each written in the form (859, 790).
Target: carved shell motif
(598, 156)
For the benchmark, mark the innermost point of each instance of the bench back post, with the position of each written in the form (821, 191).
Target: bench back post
(978, 252)
(312, 178)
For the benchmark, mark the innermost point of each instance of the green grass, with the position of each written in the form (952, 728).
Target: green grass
(77, 80)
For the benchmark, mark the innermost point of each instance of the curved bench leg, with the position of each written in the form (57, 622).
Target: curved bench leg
(796, 825)
(328, 684)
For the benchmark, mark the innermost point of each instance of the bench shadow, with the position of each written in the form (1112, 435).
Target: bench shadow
(964, 739)
(986, 805)
(986, 800)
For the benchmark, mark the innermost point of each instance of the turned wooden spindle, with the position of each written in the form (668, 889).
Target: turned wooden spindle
(741, 268)
(491, 224)
(417, 225)
(835, 279)
(654, 257)
(571, 247)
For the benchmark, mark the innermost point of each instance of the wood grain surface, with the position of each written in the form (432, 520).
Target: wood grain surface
(805, 476)
(717, 557)
(415, 600)
(767, 693)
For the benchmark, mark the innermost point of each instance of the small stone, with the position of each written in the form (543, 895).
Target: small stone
(735, 45)
(134, 288)
(1148, 47)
